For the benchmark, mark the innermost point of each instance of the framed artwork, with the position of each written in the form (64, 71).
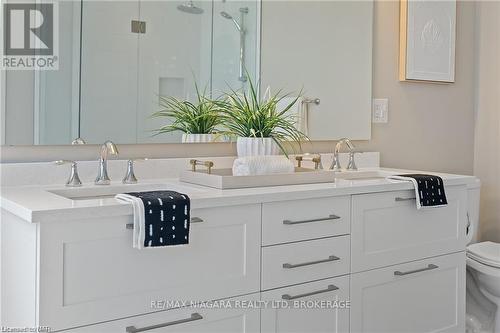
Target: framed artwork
(427, 40)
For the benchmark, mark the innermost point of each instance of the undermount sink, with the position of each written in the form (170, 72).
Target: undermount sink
(363, 175)
(109, 191)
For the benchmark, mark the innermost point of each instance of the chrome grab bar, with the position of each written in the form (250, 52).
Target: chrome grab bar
(331, 287)
(194, 316)
(428, 268)
(330, 258)
(330, 217)
(404, 199)
(193, 220)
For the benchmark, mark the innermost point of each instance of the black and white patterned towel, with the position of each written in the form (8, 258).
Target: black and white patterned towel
(161, 218)
(429, 189)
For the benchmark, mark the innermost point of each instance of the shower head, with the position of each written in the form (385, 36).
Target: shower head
(228, 16)
(190, 8)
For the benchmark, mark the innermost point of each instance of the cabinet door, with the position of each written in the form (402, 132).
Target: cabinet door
(421, 296)
(90, 273)
(387, 228)
(320, 306)
(228, 318)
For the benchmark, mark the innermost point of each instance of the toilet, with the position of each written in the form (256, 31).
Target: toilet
(483, 258)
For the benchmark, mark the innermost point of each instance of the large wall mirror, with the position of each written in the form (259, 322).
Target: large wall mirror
(116, 58)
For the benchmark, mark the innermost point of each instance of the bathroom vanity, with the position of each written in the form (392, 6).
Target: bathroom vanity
(360, 243)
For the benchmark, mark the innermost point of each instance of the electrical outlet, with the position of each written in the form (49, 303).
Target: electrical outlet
(380, 110)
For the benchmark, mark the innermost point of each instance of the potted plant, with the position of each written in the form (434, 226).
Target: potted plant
(197, 121)
(260, 128)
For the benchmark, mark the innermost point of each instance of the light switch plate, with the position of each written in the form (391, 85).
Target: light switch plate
(380, 110)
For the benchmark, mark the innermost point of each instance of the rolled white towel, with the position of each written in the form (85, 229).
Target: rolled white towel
(262, 165)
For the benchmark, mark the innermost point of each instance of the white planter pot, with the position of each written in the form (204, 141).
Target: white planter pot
(256, 147)
(197, 138)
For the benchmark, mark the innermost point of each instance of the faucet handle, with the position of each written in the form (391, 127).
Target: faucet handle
(352, 163)
(74, 179)
(130, 177)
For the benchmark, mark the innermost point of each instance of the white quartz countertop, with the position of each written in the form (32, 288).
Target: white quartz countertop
(38, 204)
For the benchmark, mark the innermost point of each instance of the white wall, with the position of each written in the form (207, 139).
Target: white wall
(431, 126)
(323, 48)
(487, 152)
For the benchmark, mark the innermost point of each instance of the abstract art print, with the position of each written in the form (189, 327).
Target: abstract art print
(427, 40)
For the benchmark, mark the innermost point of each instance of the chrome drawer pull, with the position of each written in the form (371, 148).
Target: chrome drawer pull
(194, 316)
(405, 199)
(331, 287)
(330, 258)
(331, 217)
(428, 268)
(193, 220)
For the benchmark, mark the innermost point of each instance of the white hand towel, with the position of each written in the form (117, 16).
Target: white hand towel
(139, 219)
(262, 165)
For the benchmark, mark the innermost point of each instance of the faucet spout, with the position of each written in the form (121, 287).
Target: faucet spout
(107, 147)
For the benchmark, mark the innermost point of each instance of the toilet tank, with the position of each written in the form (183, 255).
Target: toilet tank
(473, 196)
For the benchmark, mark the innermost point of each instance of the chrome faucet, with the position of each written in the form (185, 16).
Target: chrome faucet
(336, 162)
(107, 147)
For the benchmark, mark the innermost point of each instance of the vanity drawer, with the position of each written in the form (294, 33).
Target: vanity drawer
(319, 307)
(90, 272)
(189, 319)
(297, 220)
(287, 264)
(421, 296)
(386, 229)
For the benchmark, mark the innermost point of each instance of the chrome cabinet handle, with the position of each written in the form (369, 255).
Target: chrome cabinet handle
(193, 220)
(194, 316)
(331, 287)
(330, 258)
(405, 199)
(331, 217)
(428, 268)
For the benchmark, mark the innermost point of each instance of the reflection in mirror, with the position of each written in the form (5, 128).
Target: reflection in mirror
(117, 58)
(41, 107)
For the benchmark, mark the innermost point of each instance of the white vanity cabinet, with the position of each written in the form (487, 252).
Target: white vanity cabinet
(360, 262)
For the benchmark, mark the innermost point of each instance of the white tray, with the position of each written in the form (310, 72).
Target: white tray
(224, 179)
